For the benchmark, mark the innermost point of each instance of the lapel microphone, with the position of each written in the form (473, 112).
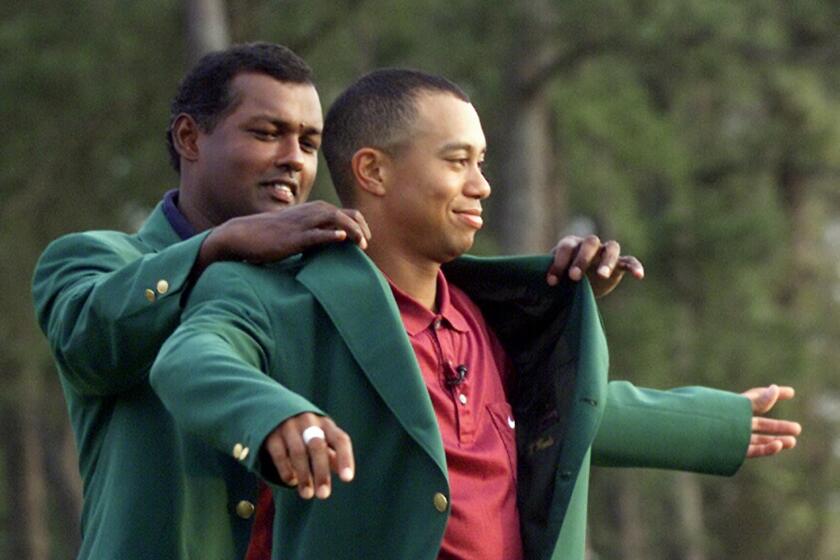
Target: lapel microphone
(456, 376)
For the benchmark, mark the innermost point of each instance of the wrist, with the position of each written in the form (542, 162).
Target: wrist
(210, 250)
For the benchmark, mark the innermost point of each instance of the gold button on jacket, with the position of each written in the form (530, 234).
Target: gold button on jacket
(440, 502)
(245, 509)
(150, 295)
(162, 286)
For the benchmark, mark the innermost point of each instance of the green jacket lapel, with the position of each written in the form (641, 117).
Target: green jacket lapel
(554, 337)
(358, 300)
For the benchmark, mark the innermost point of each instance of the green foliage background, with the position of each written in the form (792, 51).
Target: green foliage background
(705, 135)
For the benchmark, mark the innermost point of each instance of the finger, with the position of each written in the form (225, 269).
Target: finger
(771, 426)
(343, 462)
(315, 237)
(631, 265)
(763, 398)
(279, 457)
(788, 442)
(589, 249)
(299, 456)
(564, 251)
(609, 259)
(786, 392)
(764, 450)
(341, 220)
(359, 219)
(320, 463)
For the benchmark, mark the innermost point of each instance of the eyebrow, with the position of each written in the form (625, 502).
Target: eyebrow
(455, 146)
(286, 125)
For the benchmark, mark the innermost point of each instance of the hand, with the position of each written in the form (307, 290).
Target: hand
(273, 236)
(579, 254)
(769, 436)
(308, 466)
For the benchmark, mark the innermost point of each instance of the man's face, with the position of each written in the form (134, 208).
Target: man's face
(435, 186)
(262, 156)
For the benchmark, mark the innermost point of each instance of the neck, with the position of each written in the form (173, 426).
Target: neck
(416, 277)
(187, 204)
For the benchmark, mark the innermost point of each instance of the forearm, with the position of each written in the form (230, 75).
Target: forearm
(693, 429)
(214, 393)
(211, 374)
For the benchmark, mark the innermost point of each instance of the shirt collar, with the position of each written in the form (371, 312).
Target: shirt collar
(176, 219)
(417, 318)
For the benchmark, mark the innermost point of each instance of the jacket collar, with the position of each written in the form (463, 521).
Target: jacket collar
(156, 231)
(358, 300)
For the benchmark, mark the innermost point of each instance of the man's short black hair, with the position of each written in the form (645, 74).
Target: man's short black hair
(205, 94)
(377, 111)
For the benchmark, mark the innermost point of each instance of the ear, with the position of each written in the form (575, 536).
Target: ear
(185, 132)
(370, 168)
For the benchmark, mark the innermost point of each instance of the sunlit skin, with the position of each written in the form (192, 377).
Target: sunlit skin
(261, 157)
(424, 199)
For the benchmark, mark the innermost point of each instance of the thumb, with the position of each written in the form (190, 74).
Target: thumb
(765, 400)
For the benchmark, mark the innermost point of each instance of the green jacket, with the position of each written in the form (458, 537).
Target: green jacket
(328, 330)
(106, 301)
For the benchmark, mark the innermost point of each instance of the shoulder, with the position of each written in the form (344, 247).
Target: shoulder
(240, 280)
(94, 243)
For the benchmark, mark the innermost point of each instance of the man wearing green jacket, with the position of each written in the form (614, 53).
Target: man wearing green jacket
(455, 389)
(244, 134)
(107, 300)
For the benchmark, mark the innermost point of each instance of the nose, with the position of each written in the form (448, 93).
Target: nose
(478, 186)
(289, 154)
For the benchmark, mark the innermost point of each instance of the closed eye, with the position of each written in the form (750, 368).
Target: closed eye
(309, 146)
(261, 134)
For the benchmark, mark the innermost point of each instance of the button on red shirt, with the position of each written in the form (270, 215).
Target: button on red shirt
(475, 419)
(476, 426)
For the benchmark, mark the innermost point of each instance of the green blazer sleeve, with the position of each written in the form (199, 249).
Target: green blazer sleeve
(106, 303)
(692, 428)
(210, 372)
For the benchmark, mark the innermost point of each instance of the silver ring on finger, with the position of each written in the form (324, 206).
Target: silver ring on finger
(312, 432)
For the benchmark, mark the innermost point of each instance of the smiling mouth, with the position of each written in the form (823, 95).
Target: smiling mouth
(281, 191)
(471, 218)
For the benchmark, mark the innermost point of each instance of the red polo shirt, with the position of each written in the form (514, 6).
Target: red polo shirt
(476, 425)
(475, 419)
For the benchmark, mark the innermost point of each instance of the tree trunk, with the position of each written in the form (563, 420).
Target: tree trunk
(207, 27)
(688, 499)
(524, 190)
(24, 459)
(631, 519)
(525, 187)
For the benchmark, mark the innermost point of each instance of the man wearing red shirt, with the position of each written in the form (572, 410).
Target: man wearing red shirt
(428, 413)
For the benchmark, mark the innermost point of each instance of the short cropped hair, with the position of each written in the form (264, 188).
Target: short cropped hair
(205, 93)
(376, 111)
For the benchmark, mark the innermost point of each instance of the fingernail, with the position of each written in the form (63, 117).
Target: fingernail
(307, 492)
(323, 492)
(346, 474)
(575, 274)
(604, 271)
(552, 280)
(292, 481)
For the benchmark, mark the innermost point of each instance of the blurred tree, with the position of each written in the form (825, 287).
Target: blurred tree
(701, 133)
